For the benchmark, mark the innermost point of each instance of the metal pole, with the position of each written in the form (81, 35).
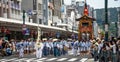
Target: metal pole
(23, 17)
(116, 29)
(118, 24)
(106, 20)
(24, 26)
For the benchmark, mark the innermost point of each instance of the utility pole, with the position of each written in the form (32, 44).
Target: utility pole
(24, 26)
(118, 24)
(106, 20)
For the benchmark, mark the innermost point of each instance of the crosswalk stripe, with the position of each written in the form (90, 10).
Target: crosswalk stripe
(36, 61)
(20, 59)
(83, 59)
(46, 59)
(2, 59)
(51, 59)
(73, 59)
(28, 60)
(12, 59)
(42, 59)
(9, 59)
(90, 60)
(62, 59)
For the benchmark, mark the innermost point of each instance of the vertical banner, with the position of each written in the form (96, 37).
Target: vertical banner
(34, 4)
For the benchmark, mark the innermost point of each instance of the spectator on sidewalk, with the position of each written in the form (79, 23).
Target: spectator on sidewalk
(1, 41)
(1, 47)
(8, 51)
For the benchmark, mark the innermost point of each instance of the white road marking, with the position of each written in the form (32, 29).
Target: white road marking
(12, 59)
(28, 60)
(20, 59)
(2, 59)
(83, 59)
(42, 59)
(90, 60)
(72, 59)
(8, 59)
(62, 59)
(51, 59)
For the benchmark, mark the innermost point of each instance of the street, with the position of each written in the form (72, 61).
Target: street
(59, 31)
(63, 58)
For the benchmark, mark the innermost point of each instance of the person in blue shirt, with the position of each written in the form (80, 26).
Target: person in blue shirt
(55, 48)
(21, 49)
(45, 49)
(8, 51)
(75, 48)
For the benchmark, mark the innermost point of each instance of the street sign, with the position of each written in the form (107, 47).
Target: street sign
(57, 34)
(27, 32)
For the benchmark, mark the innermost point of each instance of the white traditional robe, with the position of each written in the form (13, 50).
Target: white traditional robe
(39, 47)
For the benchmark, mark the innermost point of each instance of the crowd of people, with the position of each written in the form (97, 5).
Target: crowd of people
(105, 51)
(100, 50)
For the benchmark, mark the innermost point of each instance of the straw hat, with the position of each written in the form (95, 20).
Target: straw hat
(98, 38)
(44, 39)
(96, 43)
(69, 39)
(55, 39)
(93, 41)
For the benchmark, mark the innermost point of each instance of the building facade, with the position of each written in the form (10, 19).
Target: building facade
(57, 6)
(33, 10)
(10, 9)
(11, 18)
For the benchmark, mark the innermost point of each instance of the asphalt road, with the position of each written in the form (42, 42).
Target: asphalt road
(63, 58)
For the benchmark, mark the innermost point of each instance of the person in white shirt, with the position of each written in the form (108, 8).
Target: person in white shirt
(61, 47)
(114, 58)
(75, 45)
(51, 47)
(39, 47)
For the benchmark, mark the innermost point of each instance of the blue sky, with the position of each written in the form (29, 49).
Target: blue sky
(99, 3)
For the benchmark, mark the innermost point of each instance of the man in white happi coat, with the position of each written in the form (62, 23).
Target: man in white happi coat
(39, 47)
(75, 46)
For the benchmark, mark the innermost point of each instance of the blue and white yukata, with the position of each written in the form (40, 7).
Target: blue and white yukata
(51, 47)
(75, 48)
(55, 48)
(21, 49)
(61, 47)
